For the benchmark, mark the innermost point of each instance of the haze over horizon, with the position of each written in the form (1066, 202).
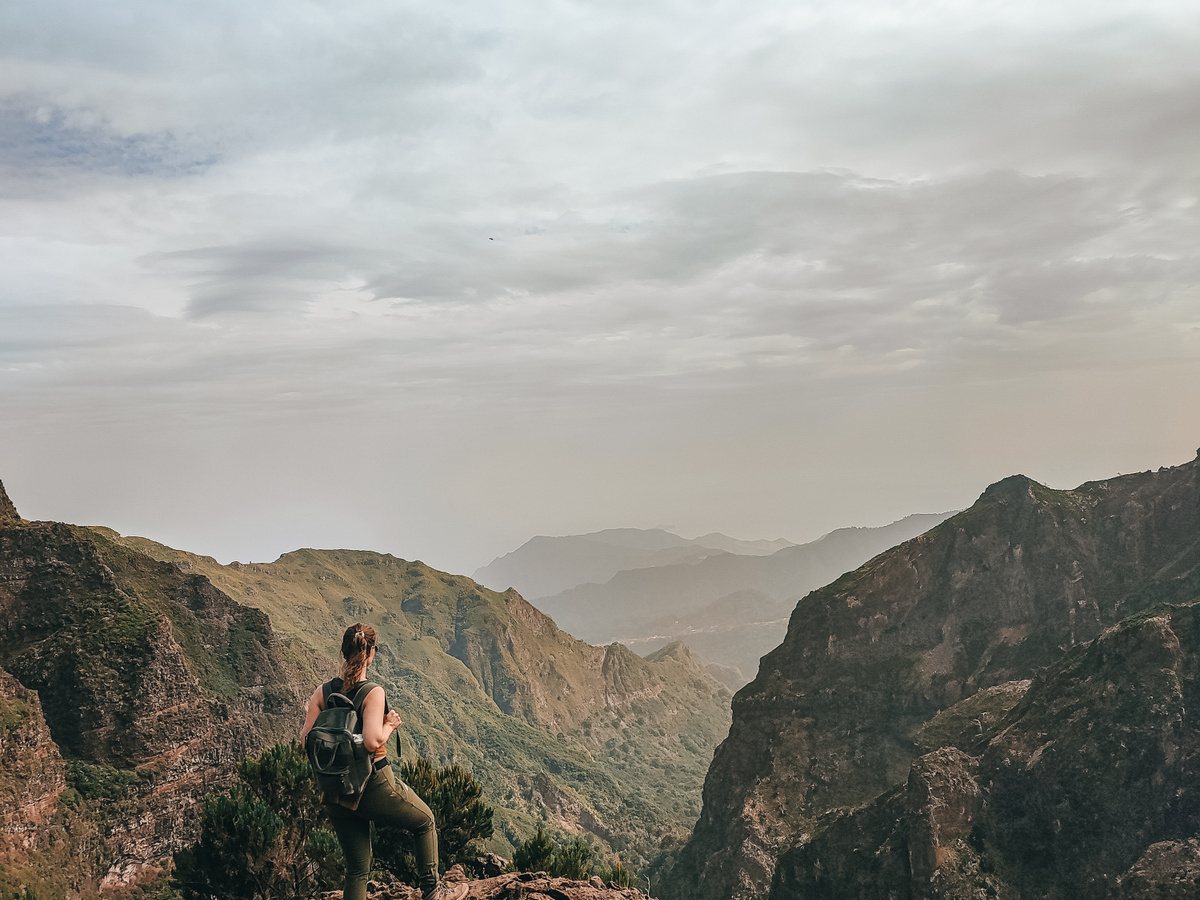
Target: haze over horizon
(433, 279)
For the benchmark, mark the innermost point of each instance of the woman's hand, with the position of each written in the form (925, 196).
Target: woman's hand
(392, 720)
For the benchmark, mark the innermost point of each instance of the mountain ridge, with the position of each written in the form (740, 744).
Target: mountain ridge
(646, 601)
(545, 565)
(150, 683)
(588, 732)
(142, 681)
(989, 596)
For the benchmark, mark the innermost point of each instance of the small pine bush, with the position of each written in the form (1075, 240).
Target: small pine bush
(535, 854)
(573, 860)
(618, 875)
(264, 840)
(576, 859)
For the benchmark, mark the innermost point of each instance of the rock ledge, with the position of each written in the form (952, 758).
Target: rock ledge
(510, 886)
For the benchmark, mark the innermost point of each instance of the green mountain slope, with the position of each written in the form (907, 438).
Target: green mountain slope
(584, 737)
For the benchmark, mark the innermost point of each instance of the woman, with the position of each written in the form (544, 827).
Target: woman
(384, 799)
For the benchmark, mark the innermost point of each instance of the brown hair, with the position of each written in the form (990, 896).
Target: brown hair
(357, 644)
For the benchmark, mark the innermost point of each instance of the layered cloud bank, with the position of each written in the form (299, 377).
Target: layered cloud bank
(392, 270)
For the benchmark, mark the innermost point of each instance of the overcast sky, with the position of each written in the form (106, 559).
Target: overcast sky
(432, 278)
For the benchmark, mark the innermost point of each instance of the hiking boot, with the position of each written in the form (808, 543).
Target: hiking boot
(448, 891)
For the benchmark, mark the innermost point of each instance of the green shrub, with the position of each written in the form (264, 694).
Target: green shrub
(264, 840)
(618, 875)
(535, 854)
(576, 859)
(573, 860)
(456, 801)
(97, 781)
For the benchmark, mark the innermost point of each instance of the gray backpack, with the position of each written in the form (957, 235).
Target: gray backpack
(340, 762)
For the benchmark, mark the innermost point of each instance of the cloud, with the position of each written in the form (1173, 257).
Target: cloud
(538, 219)
(43, 145)
(264, 276)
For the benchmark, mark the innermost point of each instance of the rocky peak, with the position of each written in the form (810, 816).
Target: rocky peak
(139, 670)
(8, 512)
(1014, 487)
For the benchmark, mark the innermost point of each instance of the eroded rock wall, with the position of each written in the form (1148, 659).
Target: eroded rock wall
(42, 836)
(1089, 787)
(151, 682)
(987, 597)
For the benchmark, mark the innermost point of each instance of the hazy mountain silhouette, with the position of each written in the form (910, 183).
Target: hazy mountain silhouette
(544, 565)
(731, 608)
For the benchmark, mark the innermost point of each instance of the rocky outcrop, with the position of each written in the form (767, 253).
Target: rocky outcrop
(1087, 788)
(153, 685)
(989, 596)
(510, 886)
(38, 831)
(8, 512)
(1169, 870)
(34, 775)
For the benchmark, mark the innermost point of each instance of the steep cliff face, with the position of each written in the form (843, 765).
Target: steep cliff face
(34, 775)
(153, 683)
(1087, 788)
(987, 597)
(42, 838)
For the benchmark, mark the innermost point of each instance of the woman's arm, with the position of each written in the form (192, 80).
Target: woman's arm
(377, 727)
(316, 703)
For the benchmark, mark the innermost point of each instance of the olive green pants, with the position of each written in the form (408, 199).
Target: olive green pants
(386, 801)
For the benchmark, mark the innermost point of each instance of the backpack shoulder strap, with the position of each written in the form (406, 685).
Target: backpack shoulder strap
(359, 697)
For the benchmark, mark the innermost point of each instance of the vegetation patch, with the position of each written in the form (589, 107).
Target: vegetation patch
(99, 781)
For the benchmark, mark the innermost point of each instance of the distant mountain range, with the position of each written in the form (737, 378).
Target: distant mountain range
(1003, 706)
(731, 607)
(543, 566)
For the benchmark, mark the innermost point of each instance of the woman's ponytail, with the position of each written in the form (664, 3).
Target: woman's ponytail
(357, 644)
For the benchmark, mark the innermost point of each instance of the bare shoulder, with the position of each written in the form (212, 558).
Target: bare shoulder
(374, 696)
(318, 697)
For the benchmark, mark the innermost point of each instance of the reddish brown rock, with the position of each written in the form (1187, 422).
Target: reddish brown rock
(944, 802)
(34, 775)
(510, 886)
(41, 836)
